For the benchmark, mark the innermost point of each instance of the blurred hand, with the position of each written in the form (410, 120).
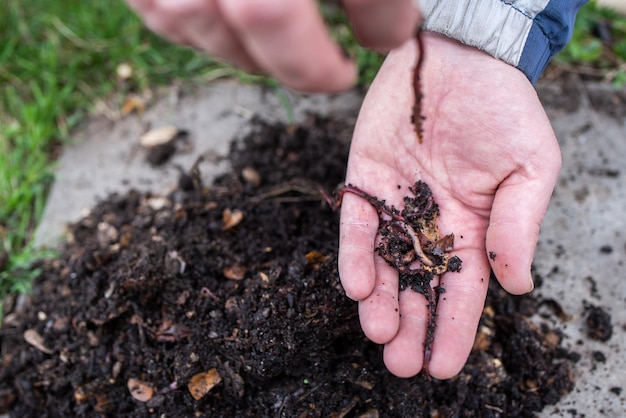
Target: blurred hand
(491, 159)
(283, 38)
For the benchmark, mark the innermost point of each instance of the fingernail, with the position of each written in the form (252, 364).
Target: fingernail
(532, 284)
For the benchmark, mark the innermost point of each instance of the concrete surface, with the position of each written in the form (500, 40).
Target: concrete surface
(619, 5)
(582, 241)
(583, 236)
(106, 157)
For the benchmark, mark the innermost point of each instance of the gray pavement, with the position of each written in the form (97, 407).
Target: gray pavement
(582, 241)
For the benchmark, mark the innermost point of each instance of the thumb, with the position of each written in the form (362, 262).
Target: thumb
(519, 206)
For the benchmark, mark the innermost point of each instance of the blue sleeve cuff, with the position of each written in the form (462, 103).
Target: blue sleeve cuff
(550, 32)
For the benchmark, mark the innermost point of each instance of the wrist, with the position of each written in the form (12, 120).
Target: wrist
(525, 36)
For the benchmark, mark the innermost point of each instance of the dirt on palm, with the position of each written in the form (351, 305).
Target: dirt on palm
(225, 301)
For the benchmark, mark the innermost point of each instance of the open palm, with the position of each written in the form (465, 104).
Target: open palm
(490, 156)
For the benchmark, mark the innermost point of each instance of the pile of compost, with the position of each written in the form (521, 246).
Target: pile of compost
(224, 300)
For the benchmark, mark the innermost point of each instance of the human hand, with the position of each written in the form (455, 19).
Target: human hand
(491, 159)
(284, 38)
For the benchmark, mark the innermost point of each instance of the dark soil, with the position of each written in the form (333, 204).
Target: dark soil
(599, 325)
(240, 280)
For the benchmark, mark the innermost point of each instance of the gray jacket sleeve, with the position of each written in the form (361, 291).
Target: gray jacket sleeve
(523, 33)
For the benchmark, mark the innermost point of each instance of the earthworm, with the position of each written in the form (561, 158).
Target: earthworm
(408, 229)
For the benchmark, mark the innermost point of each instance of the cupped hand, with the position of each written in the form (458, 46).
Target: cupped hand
(284, 38)
(491, 158)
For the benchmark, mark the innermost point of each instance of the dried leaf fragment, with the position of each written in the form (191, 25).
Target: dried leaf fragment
(234, 272)
(133, 103)
(81, 395)
(251, 176)
(202, 383)
(231, 218)
(315, 258)
(32, 337)
(107, 234)
(140, 390)
(552, 339)
(158, 202)
(482, 341)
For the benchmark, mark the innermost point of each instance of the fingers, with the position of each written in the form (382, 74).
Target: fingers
(195, 23)
(404, 355)
(380, 311)
(357, 235)
(458, 313)
(365, 276)
(202, 25)
(155, 20)
(519, 206)
(400, 321)
(289, 40)
(284, 38)
(383, 24)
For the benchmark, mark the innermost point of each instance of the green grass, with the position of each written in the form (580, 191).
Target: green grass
(56, 59)
(598, 46)
(59, 57)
